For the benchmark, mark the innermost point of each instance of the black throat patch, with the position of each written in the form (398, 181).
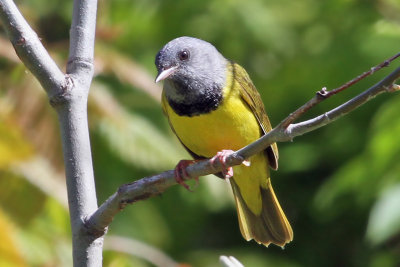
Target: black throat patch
(204, 102)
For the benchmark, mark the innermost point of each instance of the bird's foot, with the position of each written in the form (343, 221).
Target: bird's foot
(181, 174)
(221, 157)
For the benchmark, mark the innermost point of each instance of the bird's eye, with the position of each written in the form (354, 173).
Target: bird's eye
(183, 55)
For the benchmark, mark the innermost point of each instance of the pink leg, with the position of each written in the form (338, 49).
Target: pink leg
(181, 174)
(221, 156)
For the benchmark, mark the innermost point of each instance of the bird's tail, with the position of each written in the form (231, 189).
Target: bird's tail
(270, 226)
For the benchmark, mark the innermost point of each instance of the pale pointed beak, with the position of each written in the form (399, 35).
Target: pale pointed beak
(165, 73)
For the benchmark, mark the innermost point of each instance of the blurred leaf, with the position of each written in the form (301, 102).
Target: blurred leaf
(14, 187)
(131, 136)
(362, 176)
(112, 259)
(139, 250)
(217, 191)
(13, 146)
(39, 130)
(298, 157)
(9, 251)
(385, 258)
(40, 173)
(145, 223)
(384, 220)
(245, 257)
(46, 240)
(346, 180)
(385, 126)
(111, 62)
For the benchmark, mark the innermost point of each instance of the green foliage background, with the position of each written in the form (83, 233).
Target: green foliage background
(339, 186)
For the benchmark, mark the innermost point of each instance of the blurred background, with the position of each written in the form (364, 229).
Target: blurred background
(339, 185)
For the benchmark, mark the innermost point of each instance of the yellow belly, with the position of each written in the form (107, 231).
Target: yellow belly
(232, 126)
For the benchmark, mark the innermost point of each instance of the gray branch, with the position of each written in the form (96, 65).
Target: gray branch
(152, 186)
(30, 50)
(68, 95)
(287, 132)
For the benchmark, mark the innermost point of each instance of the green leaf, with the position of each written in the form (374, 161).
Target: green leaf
(14, 188)
(12, 144)
(384, 220)
(9, 252)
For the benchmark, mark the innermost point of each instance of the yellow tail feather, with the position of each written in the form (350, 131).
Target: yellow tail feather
(271, 226)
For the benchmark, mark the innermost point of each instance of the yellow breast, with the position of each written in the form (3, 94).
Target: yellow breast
(231, 126)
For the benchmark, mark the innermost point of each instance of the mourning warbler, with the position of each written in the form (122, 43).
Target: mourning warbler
(212, 106)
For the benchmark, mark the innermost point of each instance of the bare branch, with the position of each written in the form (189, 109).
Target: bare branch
(31, 51)
(157, 184)
(362, 76)
(283, 133)
(68, 95)
(386, 85)
(72, 114)
(82, 34)
(324, 93)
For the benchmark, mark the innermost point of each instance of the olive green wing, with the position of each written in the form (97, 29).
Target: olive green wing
(251, 96)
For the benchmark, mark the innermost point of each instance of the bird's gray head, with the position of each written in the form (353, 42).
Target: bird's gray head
(192, 69)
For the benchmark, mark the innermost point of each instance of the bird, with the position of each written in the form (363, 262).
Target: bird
(214, 108)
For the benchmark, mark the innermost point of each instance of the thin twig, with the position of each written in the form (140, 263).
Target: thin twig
(323, 94)
(362, 76)
(157, 184)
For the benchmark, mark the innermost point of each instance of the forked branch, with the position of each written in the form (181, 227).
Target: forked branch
(68, 95)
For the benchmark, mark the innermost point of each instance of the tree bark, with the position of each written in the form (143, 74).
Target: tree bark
(68, 94)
